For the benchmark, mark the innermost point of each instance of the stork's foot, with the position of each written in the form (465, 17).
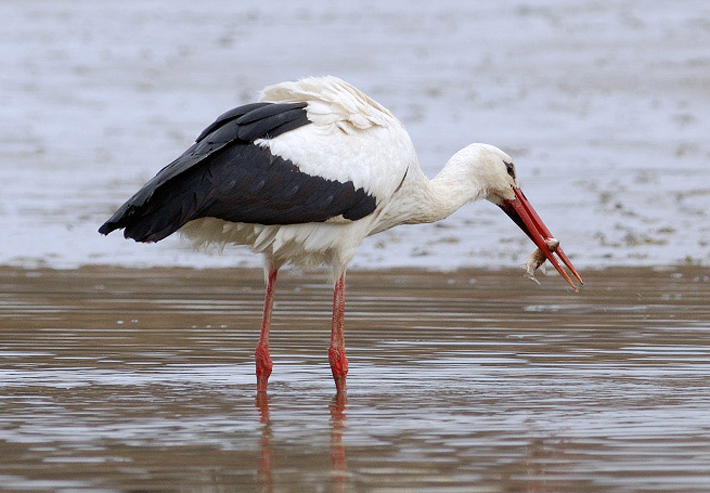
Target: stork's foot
(263, 368)
(339, 366)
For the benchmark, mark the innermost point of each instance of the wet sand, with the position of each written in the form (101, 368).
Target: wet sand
(142, 380)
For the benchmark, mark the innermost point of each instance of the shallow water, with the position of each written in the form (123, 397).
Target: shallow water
(142, 380)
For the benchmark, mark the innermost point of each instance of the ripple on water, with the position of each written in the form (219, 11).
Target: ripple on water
(505, 387)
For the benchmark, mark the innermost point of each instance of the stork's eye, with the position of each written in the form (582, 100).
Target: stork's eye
(511, 170)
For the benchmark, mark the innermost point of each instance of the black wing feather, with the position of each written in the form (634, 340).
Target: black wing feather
(228, 116)
(268, 110)
(274, 191)
(226, 176)
(270, 126)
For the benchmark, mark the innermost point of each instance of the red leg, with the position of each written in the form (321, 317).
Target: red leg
(336, 353)
(263, 359)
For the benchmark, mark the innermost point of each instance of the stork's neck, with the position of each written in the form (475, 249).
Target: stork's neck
(450, 190)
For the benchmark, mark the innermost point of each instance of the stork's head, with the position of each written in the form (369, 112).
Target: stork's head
(494, 173)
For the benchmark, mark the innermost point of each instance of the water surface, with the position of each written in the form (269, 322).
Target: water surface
(143, 380)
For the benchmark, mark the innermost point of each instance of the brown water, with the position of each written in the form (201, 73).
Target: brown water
(135, 380)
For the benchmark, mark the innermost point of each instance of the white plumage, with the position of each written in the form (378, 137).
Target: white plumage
(352, 138)
(349, 143)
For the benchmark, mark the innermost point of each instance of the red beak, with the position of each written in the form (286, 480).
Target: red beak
(522, 212)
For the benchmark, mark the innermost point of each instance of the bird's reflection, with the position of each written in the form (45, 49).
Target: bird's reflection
(338, 406)
(265, 464)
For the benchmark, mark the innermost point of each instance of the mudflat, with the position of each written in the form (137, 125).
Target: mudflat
(115, 379)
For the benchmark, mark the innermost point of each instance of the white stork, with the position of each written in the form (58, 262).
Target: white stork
(302, 177)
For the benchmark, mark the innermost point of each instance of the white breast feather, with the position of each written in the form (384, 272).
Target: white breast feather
(306, 245)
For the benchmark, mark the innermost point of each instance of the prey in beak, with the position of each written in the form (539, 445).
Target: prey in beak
(521, 211)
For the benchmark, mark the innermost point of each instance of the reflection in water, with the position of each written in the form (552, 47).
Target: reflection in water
(337, 448)
(144, 381)
(265, 463)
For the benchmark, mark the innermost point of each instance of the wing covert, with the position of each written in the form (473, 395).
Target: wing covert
(225, 175)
